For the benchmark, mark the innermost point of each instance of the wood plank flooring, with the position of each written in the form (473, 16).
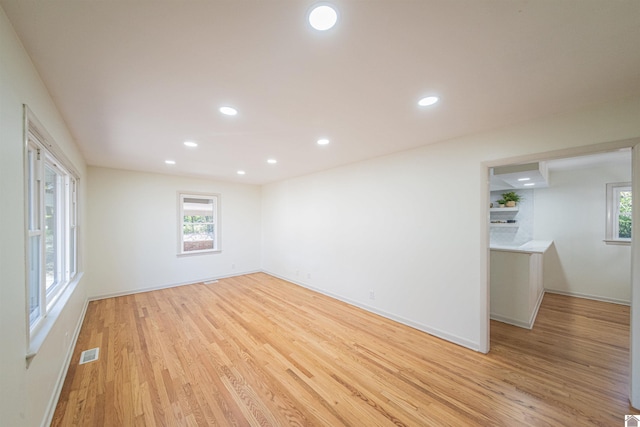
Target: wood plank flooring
(258, 351)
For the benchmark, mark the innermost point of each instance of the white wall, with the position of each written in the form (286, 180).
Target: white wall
(571, 212)
(25, 394)
(409, 226)
(133, 231)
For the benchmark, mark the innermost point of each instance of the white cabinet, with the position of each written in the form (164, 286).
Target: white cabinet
(517, 286)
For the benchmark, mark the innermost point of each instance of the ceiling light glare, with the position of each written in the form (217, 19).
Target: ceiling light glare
(241, 172)
(228, 111)
(323, 141)
(272, 161)
(190, 144)
(323, 17)
(429, 100)
(530, 184)
(170, 162)
(524, 179)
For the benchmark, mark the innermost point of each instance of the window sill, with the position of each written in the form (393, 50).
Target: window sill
(617, 242)
(207, 251)
(38, 336)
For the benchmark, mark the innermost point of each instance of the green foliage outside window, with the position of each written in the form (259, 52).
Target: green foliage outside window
(194, 219)
(624, 219)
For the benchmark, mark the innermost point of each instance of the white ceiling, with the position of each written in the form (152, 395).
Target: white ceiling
(134, 79)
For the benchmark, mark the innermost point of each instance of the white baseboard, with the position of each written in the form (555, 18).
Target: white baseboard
(419, 326)
(587, 296)
(53, 402)
(167, 285)
(510, 321)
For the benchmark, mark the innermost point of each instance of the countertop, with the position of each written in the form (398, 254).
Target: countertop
(531, 247)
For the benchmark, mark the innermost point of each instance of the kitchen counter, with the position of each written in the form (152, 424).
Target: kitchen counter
(531, 247)
(516, 287)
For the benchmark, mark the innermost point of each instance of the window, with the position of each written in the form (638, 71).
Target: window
(199, 225)
(51, 207)
(619, 204)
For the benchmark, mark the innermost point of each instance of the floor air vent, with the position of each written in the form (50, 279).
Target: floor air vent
(89, 355)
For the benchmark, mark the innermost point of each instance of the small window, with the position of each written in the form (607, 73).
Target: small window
(199, 225)
(619, 206)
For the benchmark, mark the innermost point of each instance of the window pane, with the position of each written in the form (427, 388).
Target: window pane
(624, 215)
(199, 210)
(196, 232)
(34, 278)
(52, 267)
(31, 190)
(197, 219)
(198, 223)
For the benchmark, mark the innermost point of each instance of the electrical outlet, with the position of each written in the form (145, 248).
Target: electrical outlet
(372, 295)
(233, 266)
(308, 275)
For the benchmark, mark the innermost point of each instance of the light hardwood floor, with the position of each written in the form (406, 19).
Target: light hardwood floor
(256, 350)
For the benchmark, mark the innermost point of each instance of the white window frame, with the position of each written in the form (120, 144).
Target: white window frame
(40, 153)
(215, 199)
(613, 212)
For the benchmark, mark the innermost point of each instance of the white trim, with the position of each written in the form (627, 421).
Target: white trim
(419, 326)
(38, 131)
(168, 285)
(484, 302)
(46, 324)
(217, 237)
(510, 321)
(617, 242)
(534, 315)
(612, 214)
(53, 401)
(634, 347)
(582, 150)
(200, 252)
(589, 296)
(51, 301)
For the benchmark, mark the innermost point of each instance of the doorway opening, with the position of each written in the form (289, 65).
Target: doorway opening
(567, 163)
(555, 239)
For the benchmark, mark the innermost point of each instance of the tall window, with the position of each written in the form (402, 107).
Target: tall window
(52, 229)
(199, 226)
(619, 206)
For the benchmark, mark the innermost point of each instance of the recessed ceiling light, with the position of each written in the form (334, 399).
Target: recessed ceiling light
(190, 144)
(272, 161)
(530, 184)
(170, 162)
(323, 17)
(524, 179)
(241, 172)
(323, 141)
(228, 111)
(429, 100)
